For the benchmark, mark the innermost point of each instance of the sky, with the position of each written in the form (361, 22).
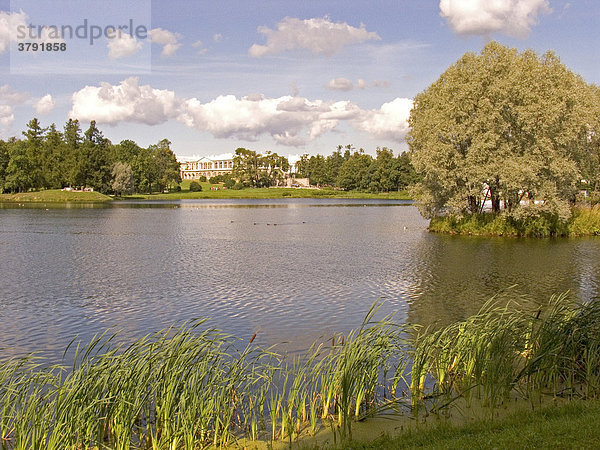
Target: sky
(290, 77)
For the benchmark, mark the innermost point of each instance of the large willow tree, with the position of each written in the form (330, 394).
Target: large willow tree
(501, 126)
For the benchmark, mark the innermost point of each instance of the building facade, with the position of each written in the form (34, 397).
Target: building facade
(193, 170)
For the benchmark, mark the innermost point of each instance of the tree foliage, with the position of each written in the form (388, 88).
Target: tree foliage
(47, 158)
(257, 170)
(501, 126)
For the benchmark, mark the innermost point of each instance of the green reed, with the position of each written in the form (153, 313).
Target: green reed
(196, 387)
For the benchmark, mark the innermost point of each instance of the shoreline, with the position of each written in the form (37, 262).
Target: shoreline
(59, 196)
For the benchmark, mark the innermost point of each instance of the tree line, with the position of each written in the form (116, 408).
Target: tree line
(48, 158)
(349, 169)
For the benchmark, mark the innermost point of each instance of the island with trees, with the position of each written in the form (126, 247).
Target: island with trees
(507, 143)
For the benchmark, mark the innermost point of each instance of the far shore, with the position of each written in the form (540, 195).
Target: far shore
(59, 196)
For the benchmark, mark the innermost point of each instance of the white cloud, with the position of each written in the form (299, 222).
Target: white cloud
(289, 120)
(15, 27)
(10, 25)
(340, 84)
(199, 45)
(218, 37)
(167, 39)
(319, 35)
(483, 17)
(127, 102)
(12, 97)
(45, 104)
(388, 122)
(344, 84)
(6, 115)
(123, 45)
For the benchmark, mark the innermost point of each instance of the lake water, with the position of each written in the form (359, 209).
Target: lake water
(291, 270)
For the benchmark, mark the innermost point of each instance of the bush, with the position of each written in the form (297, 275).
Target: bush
(229, 182)
(216, 179)
(238, 186)
(195, 187)
(202, 179)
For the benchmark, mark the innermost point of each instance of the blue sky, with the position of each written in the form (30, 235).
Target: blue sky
(285, 76)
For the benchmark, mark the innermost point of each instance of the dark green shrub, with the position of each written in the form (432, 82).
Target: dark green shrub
(195, 186)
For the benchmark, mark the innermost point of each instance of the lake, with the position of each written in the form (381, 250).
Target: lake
(290, 270)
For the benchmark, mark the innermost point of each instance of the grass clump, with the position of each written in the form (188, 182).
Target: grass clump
(583, 221)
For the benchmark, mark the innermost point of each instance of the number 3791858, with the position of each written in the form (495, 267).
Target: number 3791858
(42, 46)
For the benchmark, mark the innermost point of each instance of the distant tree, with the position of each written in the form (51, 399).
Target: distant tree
(20, 169)
(166, 164)
(4, 159)
(122, 178)
(354, 172)
(301, 166)
(247, 166)
(53, 159)
(72, 154)
(34, 138)
(94, 168)
(334, 162)
(274, 168)
(317, 170)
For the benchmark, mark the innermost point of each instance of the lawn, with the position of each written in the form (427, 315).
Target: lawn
(571, 425)
(259, 193)
(55, 195)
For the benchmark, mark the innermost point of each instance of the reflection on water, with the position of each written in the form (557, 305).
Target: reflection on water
(291, 269)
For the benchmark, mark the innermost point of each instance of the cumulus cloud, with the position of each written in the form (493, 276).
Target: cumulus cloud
(127, 102)
(6, 115)
(123, 45)
(9, 98)
(388, 122)
(45, 104)
(166, 38)
(319, 35)
(218, 37)
(483, 17)
(15, 27)
(10, 23)
(290, 120)
(12, 97)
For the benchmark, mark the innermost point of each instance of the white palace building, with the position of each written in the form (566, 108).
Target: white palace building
(211, 166)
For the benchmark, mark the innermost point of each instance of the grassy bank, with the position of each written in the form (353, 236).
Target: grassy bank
(583, 222)
(571, 425)
(193, 386)
(55, 195)
(266, 193)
